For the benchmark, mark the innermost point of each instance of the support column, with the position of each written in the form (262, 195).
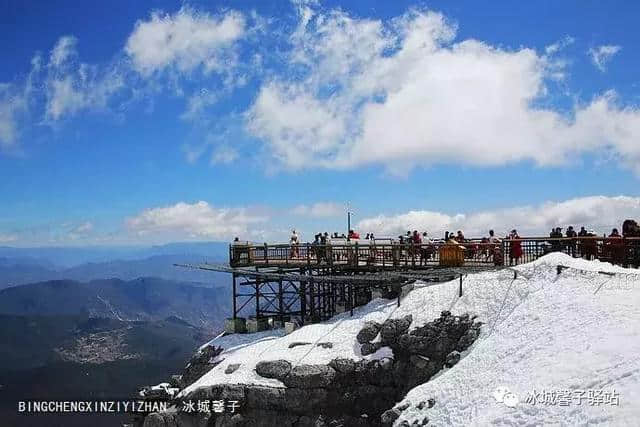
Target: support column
(280, 301)
(235, 296)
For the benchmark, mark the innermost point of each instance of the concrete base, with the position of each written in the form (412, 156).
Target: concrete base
(257, 325)
(277, 324)
(340, 308)
(290, 327)
(235, 326)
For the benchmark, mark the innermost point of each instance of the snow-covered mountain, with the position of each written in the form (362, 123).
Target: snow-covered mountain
(556, 346)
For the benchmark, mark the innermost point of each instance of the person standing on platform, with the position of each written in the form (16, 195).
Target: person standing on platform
(294, 241)
(515, 247)
(571, 244)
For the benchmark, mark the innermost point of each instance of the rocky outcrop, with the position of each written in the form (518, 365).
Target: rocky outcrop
(344, 392)
(369, 332)
(277, 369)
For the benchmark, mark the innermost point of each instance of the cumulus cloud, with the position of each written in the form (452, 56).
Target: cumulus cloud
(320, 210)
(601, 55)
(601, 213)
(185, 40)
(196, 220)
(404, 92)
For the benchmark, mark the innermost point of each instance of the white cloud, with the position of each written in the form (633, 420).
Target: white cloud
(197, 102)
(8, 238)
(73, 86)
(85, 227)
(559, 45)
(223, 155)
(320, 210)
(12, 104)
(186, 40)
(80, 231)
(601, 55)
(64, 49)
(197, 220)
(598, 212)
(402, 93)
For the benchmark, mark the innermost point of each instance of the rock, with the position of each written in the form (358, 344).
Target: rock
(231, 368)
(452, 358)
(442, 346)
(237, 420)
(297, 344)
(266, 398)
(343, 366)
(310, 376)
(403, 406)
(277, 369)
(154, 420)
(388, 417)
(467, 339)
(325, 344)
(162, 419)
(370, 348)
(386, 363)
(232, 392)
(431, 401)
(176, 381)
(392, 329)
(420, 362)
(368, 332)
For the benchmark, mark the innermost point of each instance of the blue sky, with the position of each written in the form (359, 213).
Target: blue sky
(147, 122)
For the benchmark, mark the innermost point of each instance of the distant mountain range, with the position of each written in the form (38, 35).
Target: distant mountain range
(138, 299)
(78, 358)
(161, 266)
(19, 266)
(99, 322)
(36, 341)
(66, 257)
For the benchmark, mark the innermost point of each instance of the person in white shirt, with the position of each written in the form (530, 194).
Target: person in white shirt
(494, 250)
(294, 241)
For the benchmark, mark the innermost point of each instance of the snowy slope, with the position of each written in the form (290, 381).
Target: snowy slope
(576, 331)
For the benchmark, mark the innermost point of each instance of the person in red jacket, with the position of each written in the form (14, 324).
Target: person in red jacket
(515, 248)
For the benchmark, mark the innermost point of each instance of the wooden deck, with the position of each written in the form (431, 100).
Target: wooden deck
(367, 255)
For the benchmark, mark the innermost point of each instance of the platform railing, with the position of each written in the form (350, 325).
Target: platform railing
(622, 251)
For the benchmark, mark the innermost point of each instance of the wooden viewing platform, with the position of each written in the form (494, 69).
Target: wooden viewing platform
(388, 255)
(277, 283)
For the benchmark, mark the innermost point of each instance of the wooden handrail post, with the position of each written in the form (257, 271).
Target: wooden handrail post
(356, 258)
